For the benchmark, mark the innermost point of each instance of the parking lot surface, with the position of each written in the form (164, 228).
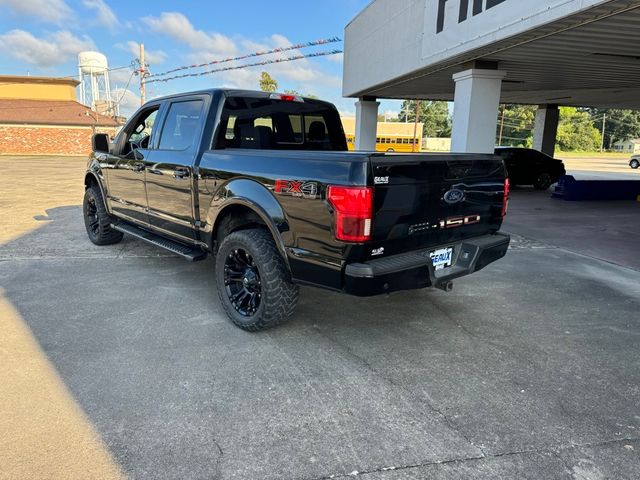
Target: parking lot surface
(118, 361)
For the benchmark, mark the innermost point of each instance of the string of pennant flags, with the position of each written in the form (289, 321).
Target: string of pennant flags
(298, 46)
(247, 65)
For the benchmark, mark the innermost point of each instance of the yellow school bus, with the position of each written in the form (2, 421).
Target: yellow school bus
(391, 137)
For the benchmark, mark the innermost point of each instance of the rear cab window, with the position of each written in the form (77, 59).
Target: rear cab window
(273, 124)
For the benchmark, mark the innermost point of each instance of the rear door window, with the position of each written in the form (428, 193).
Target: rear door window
(181, 126)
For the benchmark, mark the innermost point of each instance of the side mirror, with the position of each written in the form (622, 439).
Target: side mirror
(100, 143)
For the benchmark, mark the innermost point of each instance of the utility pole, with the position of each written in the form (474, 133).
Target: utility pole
(406, 116)
(94, 117)
(415, 126)
(604, 123)
(501, 126)
(142, 71)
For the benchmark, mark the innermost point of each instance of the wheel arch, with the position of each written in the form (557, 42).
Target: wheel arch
(90, 179)
(251, 205)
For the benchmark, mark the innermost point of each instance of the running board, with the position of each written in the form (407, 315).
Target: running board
(193, 254)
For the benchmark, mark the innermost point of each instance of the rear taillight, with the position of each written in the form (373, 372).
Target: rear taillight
(353, 212)
(505, 198)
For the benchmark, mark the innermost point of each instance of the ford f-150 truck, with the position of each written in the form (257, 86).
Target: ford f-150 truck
(265, 183)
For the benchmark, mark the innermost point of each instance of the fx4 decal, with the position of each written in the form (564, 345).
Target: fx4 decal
(297, 188)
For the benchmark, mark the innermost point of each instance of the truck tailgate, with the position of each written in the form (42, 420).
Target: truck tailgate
(428, 200)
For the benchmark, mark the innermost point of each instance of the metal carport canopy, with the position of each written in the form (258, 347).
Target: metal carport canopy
(568, 52)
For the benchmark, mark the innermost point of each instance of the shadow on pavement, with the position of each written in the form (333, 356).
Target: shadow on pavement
(529, 369)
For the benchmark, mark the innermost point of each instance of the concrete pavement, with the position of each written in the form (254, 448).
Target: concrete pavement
(529, 369)
(608, 231)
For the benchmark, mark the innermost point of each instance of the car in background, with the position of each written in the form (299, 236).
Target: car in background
(526, 166)
(634, 162)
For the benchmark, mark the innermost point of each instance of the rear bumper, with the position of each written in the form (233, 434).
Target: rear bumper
(413, 270)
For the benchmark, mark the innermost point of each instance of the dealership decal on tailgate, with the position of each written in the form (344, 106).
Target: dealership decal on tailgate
(442, 258)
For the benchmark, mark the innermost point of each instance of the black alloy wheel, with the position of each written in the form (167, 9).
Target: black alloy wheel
(91, 215)
(253, 281)
(242, 282)
(97, 220)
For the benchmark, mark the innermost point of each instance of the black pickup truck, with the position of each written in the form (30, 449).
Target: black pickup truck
(265, 183)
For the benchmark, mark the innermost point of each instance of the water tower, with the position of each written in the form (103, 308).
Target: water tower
(95, 90)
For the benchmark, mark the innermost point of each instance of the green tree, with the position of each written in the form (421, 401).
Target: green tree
(295, 92)
(267, 83)
(515, 125)
(619, 124)
(434, 115)
(576, 131)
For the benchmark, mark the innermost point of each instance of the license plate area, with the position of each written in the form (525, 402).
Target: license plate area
(441, 258)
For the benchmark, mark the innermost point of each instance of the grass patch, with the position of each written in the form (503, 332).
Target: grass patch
(592, 154)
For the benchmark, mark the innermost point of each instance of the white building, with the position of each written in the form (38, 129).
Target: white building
(480, 53)
(627, 146)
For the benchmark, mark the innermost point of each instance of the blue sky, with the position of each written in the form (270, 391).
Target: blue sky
(43, 37)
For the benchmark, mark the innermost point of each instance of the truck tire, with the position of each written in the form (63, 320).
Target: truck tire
(96, 219)
(543, 181)
(252, 281)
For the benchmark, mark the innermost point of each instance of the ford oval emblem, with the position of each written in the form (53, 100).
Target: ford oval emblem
(454, 196)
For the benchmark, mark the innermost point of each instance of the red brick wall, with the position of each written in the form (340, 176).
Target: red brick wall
(47, 140)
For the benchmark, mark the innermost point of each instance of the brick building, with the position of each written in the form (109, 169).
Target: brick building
(40, 116)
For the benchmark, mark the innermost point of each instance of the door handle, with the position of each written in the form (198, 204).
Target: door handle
(180, 173)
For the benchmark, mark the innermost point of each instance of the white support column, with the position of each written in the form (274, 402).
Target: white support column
(546, 129)
(366, 124)
(475, 113)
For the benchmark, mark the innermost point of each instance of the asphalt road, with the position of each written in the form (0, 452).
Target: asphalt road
(119, 361)
(600, 167)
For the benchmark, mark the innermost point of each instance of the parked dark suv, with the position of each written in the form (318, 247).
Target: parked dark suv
(526, 166)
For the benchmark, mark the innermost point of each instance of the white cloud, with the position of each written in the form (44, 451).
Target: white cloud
(56, 49)
(51, 11)
(152, 57)
(300, 75)
(303, 75)
(178, 27)
(106, 17)
(129, 101)
(121, 77)
(337, 58)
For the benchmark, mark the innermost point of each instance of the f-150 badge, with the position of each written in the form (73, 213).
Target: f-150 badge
(297, 188)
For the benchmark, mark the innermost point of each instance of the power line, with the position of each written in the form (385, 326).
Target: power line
(298, 46)
(238, 67)
(124, 92)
